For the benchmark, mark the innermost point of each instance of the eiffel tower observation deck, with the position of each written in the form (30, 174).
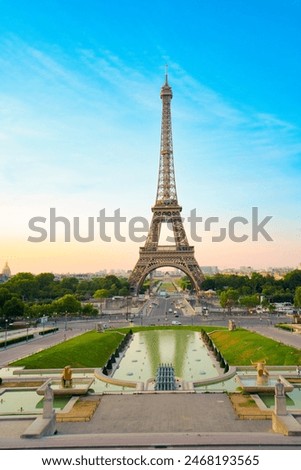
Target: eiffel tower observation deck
(179, 254)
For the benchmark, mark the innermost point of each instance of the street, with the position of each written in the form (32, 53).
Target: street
(158, 310)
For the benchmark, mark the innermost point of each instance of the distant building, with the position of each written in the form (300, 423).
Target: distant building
(88, 276)
(246, 269)
(6, 273)
(209, 270)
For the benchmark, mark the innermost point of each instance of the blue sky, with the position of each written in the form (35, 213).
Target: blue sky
(80, 116)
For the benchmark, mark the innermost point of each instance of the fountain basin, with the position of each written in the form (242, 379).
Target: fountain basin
(27, 402)
(250, 384)
(80, 386)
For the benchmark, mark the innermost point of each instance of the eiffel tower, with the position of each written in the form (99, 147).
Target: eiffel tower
(166, 210)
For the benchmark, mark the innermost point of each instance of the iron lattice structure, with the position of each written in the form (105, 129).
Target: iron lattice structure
(166, 211)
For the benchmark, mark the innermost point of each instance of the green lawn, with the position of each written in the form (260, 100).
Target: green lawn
(240, 347)
(93, 349)
(90, 349)
(168, 287)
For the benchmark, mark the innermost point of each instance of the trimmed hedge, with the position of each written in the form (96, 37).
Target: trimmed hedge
(212, 347)
(48, 331)
(19, 339)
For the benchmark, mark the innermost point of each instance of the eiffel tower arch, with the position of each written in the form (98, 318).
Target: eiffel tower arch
(179, 254)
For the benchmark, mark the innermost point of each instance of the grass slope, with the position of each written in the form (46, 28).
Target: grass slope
(240, 347)
(91, 349)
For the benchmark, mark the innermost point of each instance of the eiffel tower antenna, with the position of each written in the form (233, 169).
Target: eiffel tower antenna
(166, 210)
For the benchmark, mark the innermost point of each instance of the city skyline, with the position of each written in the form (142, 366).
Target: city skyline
(276, 271)
(81, 116)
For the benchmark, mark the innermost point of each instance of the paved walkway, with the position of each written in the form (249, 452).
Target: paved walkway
(278, 334)
(162, 420)
(165, 413)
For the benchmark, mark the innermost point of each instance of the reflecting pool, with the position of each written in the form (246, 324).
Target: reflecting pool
(293, 399)
(27, 402)
(185, 350)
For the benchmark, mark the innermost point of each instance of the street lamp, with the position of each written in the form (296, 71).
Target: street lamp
(127, 307)
(27, 325)
(5, 341)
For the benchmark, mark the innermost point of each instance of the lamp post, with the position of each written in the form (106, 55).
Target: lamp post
(5, 341)
(128, 311)
(27, 325)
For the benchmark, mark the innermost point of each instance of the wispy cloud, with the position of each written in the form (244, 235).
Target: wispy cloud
(239, 138)
(90, 125)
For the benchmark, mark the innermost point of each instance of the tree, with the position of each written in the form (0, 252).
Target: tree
(44, 280)
(185, 283)
(292, 279)
(13, 308)
(39, 310)
(67, 304)
(86, 288)
(297, 298)
(113, 290)
(111, 280)
(23, 285)
(46, 286)
(208, 283)
(89, 310)
(101, 294)
(281, 296)
(226, 281)
(249, 301)
(228, 298)
(123, 292)
(271, 308)
(256, 282)
(4, 296)
(69, 285)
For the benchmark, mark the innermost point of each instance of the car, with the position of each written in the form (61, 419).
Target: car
(176, 315)
(175, 322)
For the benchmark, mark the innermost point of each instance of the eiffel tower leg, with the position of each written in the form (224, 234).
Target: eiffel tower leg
(137, 277)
